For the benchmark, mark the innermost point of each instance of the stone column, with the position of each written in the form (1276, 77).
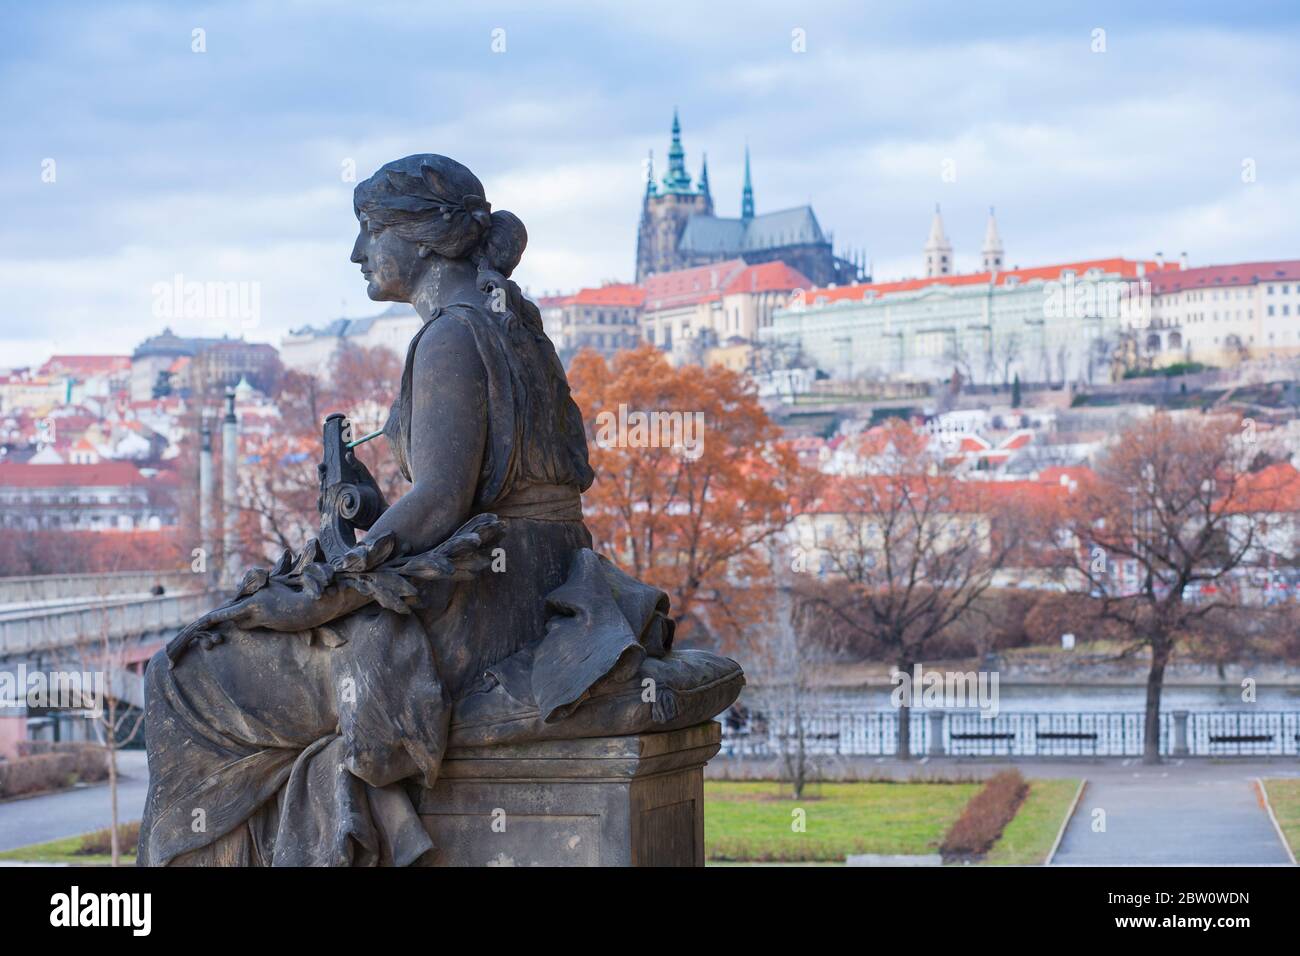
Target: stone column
(1180, 734)
(205, 501)
(935, 748)
(230, 491)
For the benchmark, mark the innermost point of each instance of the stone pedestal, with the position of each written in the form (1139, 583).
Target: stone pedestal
(603, 801)
(935, 748)
(1180, 733)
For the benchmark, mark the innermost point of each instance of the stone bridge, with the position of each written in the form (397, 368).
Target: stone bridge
(69, 622)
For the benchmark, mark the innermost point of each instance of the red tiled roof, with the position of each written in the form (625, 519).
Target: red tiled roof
(768, 277)
(1053, 474)
(1126, 268)
(86, 364)
(68, 425)
(621, 294)
(1275, 490)
(1214, 277)
(690, 286)
(104, 474)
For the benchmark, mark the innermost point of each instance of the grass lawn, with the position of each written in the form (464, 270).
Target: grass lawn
(1028, 837)
(65, 851)
(1284, 798)
(751, 820)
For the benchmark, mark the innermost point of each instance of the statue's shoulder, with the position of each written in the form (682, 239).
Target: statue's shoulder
(451, 336)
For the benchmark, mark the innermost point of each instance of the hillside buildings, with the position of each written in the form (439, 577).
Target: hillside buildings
(1220, 315)
(312, 349)
(168, 362)
(716, 308)
(1049, 324)
(99, 496)
(606, 318)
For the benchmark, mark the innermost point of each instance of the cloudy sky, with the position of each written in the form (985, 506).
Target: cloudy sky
(229, 165)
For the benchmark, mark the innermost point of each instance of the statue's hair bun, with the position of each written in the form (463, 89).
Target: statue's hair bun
(505, 242)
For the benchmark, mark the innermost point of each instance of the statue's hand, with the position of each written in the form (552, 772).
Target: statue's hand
(276, 606)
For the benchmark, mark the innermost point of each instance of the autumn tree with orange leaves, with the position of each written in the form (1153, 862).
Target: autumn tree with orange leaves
(695, 521)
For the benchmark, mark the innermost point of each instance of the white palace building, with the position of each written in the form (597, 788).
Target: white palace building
(1048, 324)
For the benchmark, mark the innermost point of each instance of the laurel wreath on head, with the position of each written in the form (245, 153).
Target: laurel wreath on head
(418, 197)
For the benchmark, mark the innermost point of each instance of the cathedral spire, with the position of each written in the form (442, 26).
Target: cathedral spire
(938, 250)
(992, 252)
(704, 176)
(650, 173)
(747, 195)
(677, 179)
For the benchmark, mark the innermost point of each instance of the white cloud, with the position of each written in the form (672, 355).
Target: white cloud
(226, 165)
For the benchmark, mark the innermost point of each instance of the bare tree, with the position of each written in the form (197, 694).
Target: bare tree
(1004, 354)
(782, 658)
(116, 723)
(1170, 510)
(907, 553)
(956, 352)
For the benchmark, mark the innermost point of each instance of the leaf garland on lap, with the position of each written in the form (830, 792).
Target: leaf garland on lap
(375, 569)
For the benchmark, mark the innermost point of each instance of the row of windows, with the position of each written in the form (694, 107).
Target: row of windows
(609, 318)
(1273, 310)
(1216, 295)
(1227, 316)
(602, 341)
(12, 497)
(65, 523)
(1234, 341)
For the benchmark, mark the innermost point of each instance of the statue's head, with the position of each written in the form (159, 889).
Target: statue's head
(426, 206)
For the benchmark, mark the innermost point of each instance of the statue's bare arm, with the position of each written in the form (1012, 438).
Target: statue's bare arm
(448, 436)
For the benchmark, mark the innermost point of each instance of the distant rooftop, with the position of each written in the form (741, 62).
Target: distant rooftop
(771, 230)
(341, 328)
(705, 283)
(1210, 277)
(168, 342)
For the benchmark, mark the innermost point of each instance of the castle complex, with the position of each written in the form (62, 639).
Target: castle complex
(679, 230)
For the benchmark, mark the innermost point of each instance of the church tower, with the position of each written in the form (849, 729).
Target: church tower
(747, 194)
(666, 207)
(704, 185)
(992, 252)
(938, 250)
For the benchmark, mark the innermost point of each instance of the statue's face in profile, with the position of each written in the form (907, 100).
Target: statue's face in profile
(391, 265)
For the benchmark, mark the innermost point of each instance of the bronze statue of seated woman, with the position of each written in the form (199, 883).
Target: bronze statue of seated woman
(294, 725)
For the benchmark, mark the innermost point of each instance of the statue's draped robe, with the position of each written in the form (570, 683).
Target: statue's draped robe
(308, 748)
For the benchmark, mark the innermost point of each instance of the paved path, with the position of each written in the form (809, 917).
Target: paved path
(39, 819)
(1171, 816)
